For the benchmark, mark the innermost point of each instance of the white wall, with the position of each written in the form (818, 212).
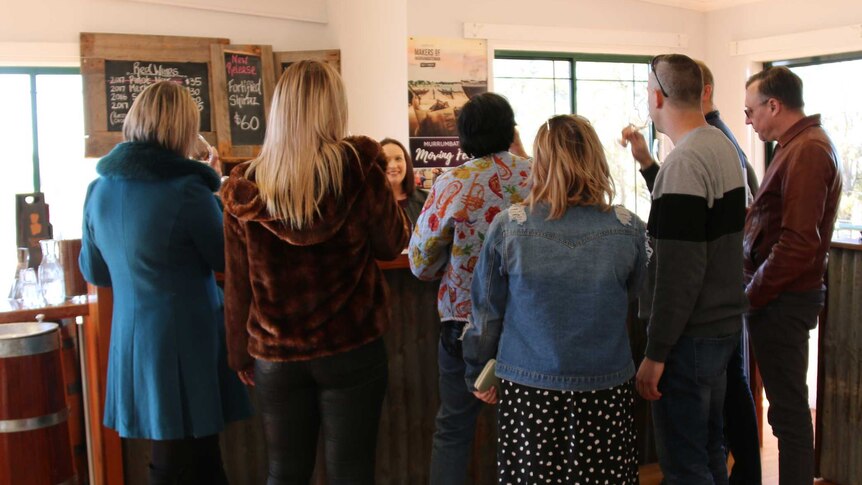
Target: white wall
(771, 20)
(446, 17)
(46, 31)
(53, 27)
(372, 35)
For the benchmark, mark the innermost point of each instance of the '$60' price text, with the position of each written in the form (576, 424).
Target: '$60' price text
(246, 122)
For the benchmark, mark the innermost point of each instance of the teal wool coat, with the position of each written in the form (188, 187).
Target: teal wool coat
(153, 232)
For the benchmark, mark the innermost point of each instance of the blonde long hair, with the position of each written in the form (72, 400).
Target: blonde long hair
(164, 114)
(569, 167)
(302, 158)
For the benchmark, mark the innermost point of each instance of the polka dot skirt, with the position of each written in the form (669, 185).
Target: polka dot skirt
(566, 437)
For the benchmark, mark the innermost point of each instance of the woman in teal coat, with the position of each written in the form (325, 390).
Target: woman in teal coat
(153, 232)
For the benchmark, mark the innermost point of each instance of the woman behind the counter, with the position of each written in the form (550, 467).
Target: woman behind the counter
(306, 304)
(153, 231)
(399, 172)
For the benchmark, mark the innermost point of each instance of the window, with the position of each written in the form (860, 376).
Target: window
(824, 80)
(610, 91)
(43, 130)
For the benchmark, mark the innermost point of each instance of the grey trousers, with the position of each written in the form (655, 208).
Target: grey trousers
(779, 332)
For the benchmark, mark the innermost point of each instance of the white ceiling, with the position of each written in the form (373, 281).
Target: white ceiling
(702, 5)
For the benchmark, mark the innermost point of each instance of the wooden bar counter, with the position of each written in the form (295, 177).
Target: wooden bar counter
(409, 409)
(407, 423)
(839, 373)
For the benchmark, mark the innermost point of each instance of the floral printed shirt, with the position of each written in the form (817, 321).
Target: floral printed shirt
(449, 233)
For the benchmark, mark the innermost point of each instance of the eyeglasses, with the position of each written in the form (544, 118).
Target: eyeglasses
(750, 111)
(652, 65)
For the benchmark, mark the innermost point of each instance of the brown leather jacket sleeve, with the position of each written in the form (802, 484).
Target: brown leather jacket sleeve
(805, 187)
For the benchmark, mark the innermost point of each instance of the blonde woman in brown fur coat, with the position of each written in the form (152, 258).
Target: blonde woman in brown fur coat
(305, 303)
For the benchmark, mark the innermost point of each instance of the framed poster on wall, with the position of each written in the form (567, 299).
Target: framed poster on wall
(442, 74)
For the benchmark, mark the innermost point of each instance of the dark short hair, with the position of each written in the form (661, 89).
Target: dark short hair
(409, 182)
(486, 125)
(780, 83)
(680, 77)
(707, 74)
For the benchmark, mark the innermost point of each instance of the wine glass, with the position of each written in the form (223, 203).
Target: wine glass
(639, 120)
(202, 150)
(31, 291)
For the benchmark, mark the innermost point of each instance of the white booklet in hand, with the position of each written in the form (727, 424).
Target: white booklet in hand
(488, 377)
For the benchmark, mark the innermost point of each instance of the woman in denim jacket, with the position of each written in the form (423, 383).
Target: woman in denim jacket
(550, 298)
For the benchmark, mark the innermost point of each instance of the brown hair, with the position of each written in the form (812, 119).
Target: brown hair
(569, 166)
(708, 80)
(408, 185)
(164, 114)
(780, 83)
(680, 77)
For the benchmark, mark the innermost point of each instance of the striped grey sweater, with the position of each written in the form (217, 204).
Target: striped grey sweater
(695, 283)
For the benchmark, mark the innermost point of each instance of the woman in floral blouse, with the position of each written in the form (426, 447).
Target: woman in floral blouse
(446, 244)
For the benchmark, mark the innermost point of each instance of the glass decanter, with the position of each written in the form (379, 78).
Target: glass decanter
(51, 273)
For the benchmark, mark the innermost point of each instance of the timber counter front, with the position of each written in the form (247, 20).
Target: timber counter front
(407, 423)
(409, 409)
(839, 372)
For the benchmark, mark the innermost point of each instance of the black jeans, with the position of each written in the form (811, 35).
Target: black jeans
(779, 332)
(740, 422)
(343, 393)
(189, 461)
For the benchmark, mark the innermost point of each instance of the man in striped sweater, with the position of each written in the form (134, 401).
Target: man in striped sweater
(694, 298)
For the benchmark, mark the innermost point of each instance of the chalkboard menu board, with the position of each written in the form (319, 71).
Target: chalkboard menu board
(245, 98)
(124, 80)
(242, 85)
(116, 67)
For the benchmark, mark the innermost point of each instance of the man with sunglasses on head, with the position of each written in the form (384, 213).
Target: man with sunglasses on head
(694, 297)
(740, 416)
(787, 236)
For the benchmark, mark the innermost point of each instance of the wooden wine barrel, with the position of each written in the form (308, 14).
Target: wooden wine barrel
(34, 431)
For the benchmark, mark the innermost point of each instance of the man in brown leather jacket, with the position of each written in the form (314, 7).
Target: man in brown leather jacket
(787, 235)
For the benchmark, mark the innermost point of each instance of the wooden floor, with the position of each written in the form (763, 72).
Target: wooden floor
(651, 475)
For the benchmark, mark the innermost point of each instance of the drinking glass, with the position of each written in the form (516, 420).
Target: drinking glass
(202, 150)
(23, 262)
(31, 292)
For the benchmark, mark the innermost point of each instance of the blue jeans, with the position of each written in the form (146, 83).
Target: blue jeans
(740, 421)
(459, 409)
(779, 332)
(688, 417)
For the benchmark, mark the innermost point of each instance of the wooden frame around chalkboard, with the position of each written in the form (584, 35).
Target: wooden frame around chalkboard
(229, 152)
(96, 48)
(331, 57)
